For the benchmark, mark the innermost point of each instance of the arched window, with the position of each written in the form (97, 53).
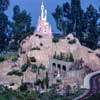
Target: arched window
(64, 67)
(54, 64)
(59, 66)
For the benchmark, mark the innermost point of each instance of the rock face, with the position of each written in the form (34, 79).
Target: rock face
(47, 49)
(42, 48)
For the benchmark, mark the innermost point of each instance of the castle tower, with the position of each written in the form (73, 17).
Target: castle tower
(43, 26)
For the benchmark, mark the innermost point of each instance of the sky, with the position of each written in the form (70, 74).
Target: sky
(33, 7)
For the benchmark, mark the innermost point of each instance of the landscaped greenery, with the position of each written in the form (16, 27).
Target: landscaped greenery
(55, 39)
(2, 59)
(32, 59)
(8, 94)
(35, 48)
(63, 57)
(24, 67)
(84, 24)
(15, 59)
(94, 97)
(34, 68)
(15, 72)
(9, 56)
(24, 94)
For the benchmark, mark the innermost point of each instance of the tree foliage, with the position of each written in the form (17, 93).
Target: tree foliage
(21, 26)
(71, 18)
(3, 23)
(4, 5)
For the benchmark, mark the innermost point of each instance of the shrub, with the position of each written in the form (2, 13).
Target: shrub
(71, 59)
(15, 59)
(34, 68)
(72, 41)
(15, 72)
(42, 67)
(33, 59)
(2, 59)
(35, 48)
(38, 81)
(23, 87)
(24, 67)
(55, 40)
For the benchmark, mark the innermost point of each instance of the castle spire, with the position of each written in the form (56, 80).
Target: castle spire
(43, 12)
(43, 25)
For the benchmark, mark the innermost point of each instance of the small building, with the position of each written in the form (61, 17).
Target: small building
(58, 68)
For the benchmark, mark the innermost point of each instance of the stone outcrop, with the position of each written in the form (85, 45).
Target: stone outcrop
(48, 49)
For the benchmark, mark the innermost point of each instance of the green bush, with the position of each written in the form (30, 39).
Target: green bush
(38, 82)
(33, 59)
(23, 87)
(34, 68)
(35, 48)
(2, 59)
(72, 41)
(94, 97)
(42, 67)
(15, 72)
(67, 58)
(15, 59)
(71, 58)
(55, 40)
(24, 67)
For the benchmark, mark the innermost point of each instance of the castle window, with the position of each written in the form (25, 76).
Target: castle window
(64, 67)
(41, 44)
(59, 66)
(54, 64)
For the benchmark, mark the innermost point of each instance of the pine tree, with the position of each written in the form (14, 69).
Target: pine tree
(3, 23)
(21, 26)
(91, 30)
(4, 5)
(76, 15)
(71, 18)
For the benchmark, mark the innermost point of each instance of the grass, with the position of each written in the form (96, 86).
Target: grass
(76, 94)
(9, 56)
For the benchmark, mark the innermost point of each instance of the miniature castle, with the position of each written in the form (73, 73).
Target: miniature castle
(43, 26)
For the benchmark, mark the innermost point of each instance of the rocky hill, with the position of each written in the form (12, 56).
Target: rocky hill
(42, 49)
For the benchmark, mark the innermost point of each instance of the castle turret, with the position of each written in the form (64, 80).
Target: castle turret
(43, 26)
(43, 13)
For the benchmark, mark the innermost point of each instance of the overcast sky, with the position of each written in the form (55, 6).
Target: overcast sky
(33, 7)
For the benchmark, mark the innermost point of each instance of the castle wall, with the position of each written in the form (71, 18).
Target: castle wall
(67, 75)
